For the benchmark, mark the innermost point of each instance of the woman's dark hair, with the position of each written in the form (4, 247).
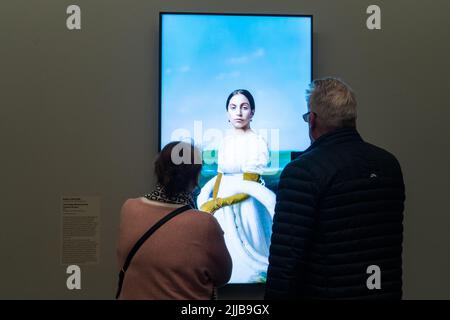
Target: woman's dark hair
(177, 167)
(245, 93)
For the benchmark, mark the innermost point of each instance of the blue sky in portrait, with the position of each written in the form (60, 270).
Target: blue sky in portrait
(205, 57)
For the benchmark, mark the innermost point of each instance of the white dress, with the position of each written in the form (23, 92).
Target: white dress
(247, 225)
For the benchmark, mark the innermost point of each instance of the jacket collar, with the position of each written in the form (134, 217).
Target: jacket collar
(335, 137)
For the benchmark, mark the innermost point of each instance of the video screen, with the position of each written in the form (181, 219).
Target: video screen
(234, 85)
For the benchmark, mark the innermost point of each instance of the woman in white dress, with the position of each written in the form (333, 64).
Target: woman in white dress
(237, 196)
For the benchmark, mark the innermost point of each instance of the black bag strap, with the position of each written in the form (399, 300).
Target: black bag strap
(144, 237)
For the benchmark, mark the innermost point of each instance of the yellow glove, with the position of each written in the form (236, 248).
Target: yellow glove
(216, 203)
(212, 205)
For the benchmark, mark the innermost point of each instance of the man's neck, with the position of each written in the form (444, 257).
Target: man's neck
(318, 133)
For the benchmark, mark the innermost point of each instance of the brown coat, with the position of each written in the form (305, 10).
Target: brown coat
(184, 259)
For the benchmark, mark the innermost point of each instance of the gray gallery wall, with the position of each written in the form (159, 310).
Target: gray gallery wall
(78, 115)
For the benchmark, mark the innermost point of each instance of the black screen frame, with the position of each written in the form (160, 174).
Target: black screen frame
(233, 289)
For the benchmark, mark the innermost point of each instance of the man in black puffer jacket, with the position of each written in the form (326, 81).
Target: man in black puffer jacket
(338, 224)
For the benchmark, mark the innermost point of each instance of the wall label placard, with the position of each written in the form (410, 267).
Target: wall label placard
(80, 224)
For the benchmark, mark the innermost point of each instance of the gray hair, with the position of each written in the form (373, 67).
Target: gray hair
(333, 101)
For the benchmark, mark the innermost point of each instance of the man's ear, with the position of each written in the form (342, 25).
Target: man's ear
(312, 120)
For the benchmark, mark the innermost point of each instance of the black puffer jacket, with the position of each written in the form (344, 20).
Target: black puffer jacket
(339, 210)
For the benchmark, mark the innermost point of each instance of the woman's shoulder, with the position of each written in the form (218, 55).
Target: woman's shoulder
(138, 206)
(202, 219)
(259, 139)
(201, 216)
(251, 134)
(142, 204)
(129, 204)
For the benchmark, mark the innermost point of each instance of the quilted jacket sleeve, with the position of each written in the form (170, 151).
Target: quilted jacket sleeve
(292, 231)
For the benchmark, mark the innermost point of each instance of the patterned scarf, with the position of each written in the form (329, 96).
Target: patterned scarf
(160, 195)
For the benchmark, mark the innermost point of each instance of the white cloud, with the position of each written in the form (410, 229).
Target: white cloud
(183, 109)
(261, 93)
(185, 68)
(238, 60)
(228, 75)
(260, 52)
(220, 76)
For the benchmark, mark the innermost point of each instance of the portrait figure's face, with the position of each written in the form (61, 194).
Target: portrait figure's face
(240, 112)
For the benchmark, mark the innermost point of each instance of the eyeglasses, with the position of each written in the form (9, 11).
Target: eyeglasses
(306, 116)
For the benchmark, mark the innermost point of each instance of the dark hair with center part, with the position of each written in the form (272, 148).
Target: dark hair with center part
(245, 93)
